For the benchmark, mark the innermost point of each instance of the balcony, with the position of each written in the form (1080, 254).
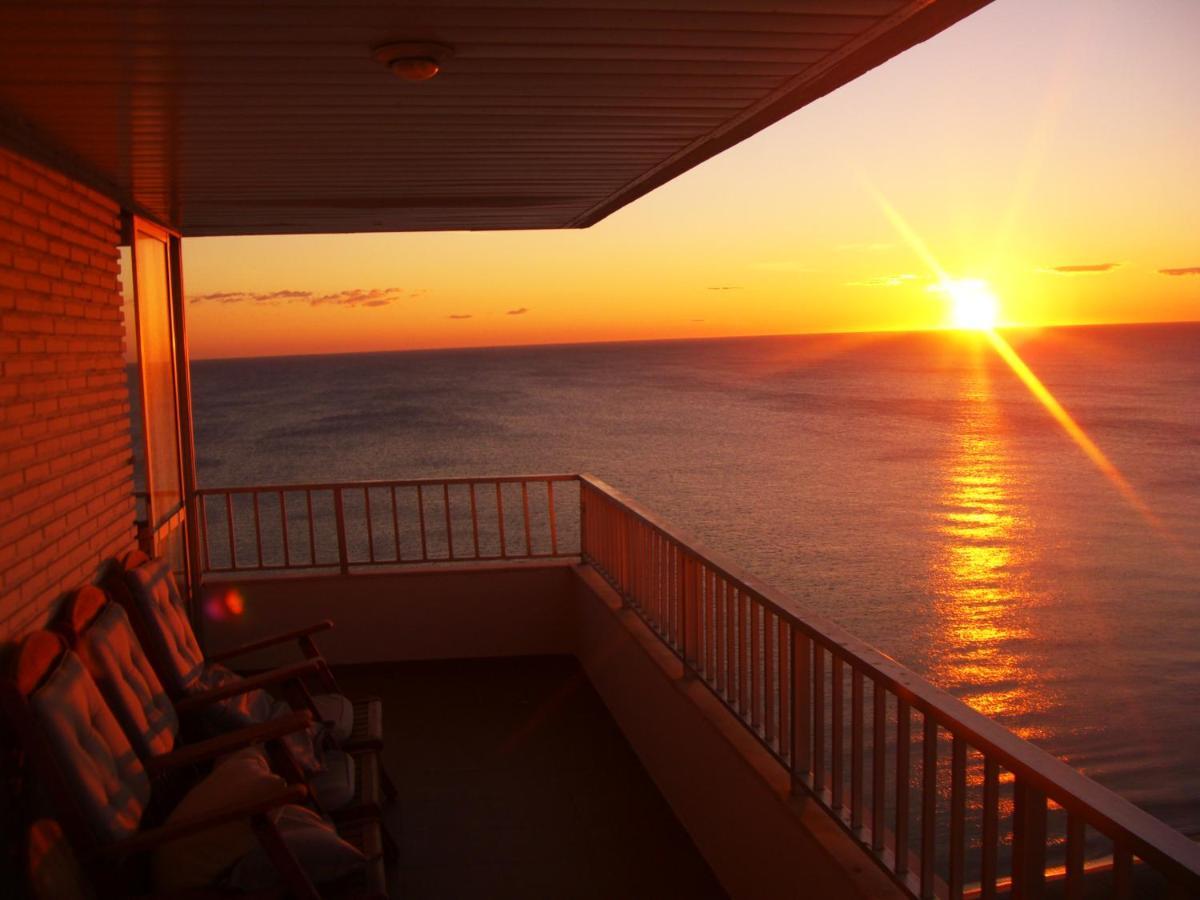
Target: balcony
(772, 752)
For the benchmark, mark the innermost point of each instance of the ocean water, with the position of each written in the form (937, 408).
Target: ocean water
(908, 486)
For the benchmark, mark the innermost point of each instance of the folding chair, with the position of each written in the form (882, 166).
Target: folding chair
(99, 631)
(160, 619)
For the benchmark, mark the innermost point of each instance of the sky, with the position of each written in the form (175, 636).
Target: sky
(1050, 149)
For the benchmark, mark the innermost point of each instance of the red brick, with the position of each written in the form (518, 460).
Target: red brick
(35, 240)
(33, 201)
(22, 176)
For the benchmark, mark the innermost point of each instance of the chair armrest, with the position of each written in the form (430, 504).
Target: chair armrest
(192, 702)
(150, 838)
(228, 742)
(266, 642)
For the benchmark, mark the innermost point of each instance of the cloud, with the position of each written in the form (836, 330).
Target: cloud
(285, 295)
(1186, 270)
(221, 297)
(519, 311)
(459, 316)
(372, 297)
(884, 280)
(1084, 269)
(359, 297)
(724, 287)
(697, 320)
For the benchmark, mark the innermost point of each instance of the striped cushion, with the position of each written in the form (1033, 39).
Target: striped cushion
(173, 644)
(106, 778)
(127, 681)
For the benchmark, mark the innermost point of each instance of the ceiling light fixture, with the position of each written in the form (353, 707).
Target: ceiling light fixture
(413, 60)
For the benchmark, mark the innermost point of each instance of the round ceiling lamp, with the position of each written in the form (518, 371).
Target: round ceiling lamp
(413, 60)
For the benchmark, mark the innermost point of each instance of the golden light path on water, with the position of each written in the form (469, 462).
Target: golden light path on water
(979, 594)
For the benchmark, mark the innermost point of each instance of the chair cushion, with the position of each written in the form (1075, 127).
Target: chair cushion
(251, 708)
(173, 647)
(202, 858)
(314, 843)
(337, 712)
(113, 656)
(105, 776)
(336, 787)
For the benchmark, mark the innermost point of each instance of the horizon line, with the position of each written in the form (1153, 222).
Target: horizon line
(669, 340)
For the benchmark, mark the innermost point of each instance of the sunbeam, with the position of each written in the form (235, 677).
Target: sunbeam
(1071, 427)
(1022, 371)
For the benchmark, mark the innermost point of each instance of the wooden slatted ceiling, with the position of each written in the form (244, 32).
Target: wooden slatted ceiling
(272, 117)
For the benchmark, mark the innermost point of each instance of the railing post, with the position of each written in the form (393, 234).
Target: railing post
(584, 552)
(340, 516)
(627, 555)
(1029, 842)
(801, 697)
(687, 613)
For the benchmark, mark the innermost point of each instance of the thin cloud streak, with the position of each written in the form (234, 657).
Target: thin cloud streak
(1186, 270)
(519, 311)
(368, 297)
(459, 316)
(1085, 269)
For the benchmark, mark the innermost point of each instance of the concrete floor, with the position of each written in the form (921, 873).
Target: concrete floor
(515, 782)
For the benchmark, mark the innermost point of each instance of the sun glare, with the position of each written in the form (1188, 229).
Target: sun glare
(973, 305)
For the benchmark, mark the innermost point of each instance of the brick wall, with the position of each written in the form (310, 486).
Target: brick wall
(66, 479)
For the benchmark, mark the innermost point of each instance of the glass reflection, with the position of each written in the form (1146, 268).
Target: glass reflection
(980, 590)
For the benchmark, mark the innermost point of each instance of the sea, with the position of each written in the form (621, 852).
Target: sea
(908, 486)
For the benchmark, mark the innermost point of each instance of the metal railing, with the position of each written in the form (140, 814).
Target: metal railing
(345, 526)
(947, 801)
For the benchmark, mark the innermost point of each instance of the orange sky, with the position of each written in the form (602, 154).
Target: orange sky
(1031, 137)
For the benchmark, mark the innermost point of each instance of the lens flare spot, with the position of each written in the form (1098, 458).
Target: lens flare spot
(235, 603)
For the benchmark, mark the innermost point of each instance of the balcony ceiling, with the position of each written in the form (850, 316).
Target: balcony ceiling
(272, 117)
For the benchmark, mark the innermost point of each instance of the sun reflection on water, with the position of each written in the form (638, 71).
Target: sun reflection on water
(981, 591)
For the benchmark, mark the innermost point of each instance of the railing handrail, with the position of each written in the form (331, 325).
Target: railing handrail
(1150, 838)
(266, 531)
(383, 483)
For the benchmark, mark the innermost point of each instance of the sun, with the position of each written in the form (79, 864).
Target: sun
(973, 304)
